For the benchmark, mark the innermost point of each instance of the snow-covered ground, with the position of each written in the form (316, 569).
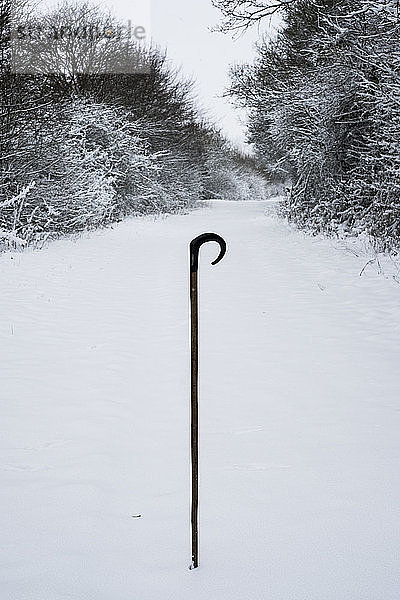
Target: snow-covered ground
(300, 416)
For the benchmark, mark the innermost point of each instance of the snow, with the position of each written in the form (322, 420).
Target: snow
(299, 416)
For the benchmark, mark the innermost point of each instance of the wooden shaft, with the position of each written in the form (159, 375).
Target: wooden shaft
(194, 321)
(194, 416)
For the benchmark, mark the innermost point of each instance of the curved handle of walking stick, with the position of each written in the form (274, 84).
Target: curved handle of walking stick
(199, 241)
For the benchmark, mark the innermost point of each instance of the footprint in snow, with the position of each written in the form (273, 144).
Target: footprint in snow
(41, 447)
(244, 430)
(257, 467)
(25, 468)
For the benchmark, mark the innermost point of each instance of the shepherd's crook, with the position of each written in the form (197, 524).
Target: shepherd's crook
(194, 265)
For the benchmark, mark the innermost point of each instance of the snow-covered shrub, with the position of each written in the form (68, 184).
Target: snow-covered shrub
(101, 145)
(91, 168)
(230, 175)
(104, 167)
(232, 184)
(323, 100)
(11, 237)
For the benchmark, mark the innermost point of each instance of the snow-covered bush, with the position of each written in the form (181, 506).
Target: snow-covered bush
(11, 237)
(231, 175)
(91, 169)
(102, 145)
(93, 166)
(103, 168)
(233, 184)
(324, 98)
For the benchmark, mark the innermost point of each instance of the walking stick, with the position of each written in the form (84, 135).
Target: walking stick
(194, 265)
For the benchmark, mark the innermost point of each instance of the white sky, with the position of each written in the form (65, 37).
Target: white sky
(183, 27)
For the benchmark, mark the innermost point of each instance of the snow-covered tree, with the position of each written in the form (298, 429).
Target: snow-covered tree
(86, 140)
(324, 112)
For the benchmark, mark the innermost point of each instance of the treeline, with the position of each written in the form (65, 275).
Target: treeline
(94, 129)
(324, 109)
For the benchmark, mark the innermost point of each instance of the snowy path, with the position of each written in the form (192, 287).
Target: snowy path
(300, 417)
